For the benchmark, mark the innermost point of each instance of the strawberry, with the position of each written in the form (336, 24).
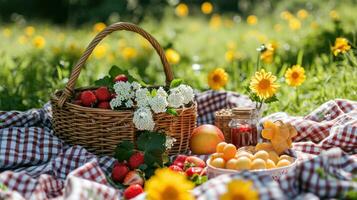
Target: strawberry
(102, 94)
(88, 98)
(180, 160)
(194, 170)
(133, 191)
(176, 168)
(133, 177)
(193, 161)
(104, 105)
(120, 77)
(120, 170)
(136, 160)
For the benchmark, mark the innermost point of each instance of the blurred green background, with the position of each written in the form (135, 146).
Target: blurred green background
(41, 40)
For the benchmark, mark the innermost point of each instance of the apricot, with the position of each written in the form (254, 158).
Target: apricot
(220, 146)
(283, 163)
(218, 162)
(262, 155)
(243, 163)
(244, 154)
(270, 164)
(232, 164)
(216, 155)
(229, 151)
(273, 156)
(286, 157)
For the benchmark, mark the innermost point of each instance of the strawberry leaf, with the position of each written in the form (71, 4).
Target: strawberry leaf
(198, 180)
(105, 81)
(175, 83)
(124, 150)
(172, 111)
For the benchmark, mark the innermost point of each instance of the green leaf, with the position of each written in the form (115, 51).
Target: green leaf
(175, 83)
(105, 81)
(172, 111)
(153, 157)
(124, 150)
(143, 167)
(115, 71)
(153, 93)
(271, 99)
(198, 180)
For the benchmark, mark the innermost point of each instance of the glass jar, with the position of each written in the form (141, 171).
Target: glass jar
(244, 127)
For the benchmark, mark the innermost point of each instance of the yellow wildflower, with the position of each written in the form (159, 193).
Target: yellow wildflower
(181, 10)
(294, 24)
(22, 40)
(7, 32)
(172, 56)
(217, 78)
(302, 14)
(30, 30)
(167, 184)
(295, 76)
(100, 51)
(341, 46)
(240, 189)
(98, 27)
(229, 56)
(207, 8)
(39, 42)
(286, 15)
(267, 55)
(129, 53)
(334, 15)
(215, 21)
(263, 84)
(252, 19)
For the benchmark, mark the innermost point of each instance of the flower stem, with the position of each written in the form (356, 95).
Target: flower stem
(257, 67)
(297, 96)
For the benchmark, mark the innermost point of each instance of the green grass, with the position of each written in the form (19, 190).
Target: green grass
(28, 75)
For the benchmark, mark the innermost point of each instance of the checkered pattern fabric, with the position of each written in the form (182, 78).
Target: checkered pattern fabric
(34, 164)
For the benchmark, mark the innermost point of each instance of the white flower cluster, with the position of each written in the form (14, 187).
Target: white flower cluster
(131, 94)
(169, 142)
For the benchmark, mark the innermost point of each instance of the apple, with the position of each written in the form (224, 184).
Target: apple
(205, 138)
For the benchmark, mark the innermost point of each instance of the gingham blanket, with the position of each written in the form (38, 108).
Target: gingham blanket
(34, 164)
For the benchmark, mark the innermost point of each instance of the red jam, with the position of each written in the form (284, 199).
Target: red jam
(244, 135)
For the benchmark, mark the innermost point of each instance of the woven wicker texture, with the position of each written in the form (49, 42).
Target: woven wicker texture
(100, 130)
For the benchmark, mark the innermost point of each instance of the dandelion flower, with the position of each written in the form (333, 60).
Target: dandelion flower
(295, 76)
(29, 31)
(240, 189)
(172, 56)
(334, 15)
(217, 79)
(286, 15)
(263, 84)
(302, 14)
(98, 27)
(229, 56)
(167, 184)
(129, 53)
(22, 40)
(215, 21)
(252, 19)
(181, 10)
(294, 24)
(207, 8)
(341, 46)
(100, 51)
(39, 42)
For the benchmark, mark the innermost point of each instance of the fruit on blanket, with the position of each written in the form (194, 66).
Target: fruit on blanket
(104, 105)
(176, 168)
(133, 177)
(102, 94)
(193, 161)
(205, 138)
(88, 98)
(136, 160)
(229, 151)
(120, 77)
(195, 170)
(133, 191)
(243, 163)
(258, 164)
(261, 154)
(120, 170)
(218, 162)
(180, 161)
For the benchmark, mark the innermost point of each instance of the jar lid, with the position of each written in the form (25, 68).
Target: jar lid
(243, 112)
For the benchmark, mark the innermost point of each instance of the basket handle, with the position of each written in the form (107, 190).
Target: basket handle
(99, 37)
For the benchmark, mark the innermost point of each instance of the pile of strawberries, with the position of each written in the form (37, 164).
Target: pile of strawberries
(189, 165)
(98, 98)
(127, 173)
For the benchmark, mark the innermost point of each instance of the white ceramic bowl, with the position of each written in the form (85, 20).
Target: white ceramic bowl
(275, 173)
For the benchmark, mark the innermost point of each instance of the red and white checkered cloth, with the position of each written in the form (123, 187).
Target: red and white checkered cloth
(34, 164)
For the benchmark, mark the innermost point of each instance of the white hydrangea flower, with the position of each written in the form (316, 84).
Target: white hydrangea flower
(129, 103)
(187, 93)
(143, 119)
(115, 102)
(162, 92)
(169, 143)
(142, 97)
(158, 104)
(123, 89)
(135, 85)
(175, 98)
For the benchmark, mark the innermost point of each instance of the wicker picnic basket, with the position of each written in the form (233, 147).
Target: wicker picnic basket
(100, 130)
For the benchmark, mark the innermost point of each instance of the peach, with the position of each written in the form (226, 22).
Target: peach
(205, 138)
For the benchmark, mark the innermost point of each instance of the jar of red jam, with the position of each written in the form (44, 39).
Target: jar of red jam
(244, 127)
